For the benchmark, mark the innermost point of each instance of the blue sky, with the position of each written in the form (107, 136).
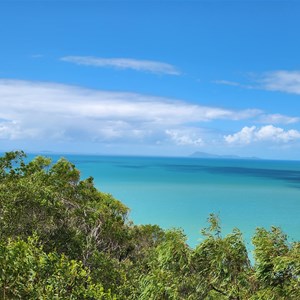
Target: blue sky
(151, 77)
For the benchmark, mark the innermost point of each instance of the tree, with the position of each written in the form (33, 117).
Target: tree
(27, 272)
(222, 264)
(68, 214)
(168, 275)
(277, 265)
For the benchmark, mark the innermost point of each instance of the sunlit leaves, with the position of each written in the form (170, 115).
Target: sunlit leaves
(27, 272)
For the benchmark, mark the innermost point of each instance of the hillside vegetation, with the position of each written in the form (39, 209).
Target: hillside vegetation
(61, 238)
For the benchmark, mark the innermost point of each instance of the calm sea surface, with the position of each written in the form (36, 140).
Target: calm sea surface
(182, 192)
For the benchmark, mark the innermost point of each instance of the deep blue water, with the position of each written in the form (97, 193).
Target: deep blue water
(182, 192)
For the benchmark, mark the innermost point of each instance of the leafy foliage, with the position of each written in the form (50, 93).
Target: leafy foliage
(222, 263)
(66, 213)
(29, 273)
(61, 238)
(277, 264)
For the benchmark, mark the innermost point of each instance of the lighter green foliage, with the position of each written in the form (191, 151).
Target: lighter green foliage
(277, 265)
(27, 272)
(222, 264)
(168, 269)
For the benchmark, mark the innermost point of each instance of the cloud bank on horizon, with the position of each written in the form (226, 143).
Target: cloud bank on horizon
(59, 112)
(37, 109)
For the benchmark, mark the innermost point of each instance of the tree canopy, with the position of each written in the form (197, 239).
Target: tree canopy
(61, 238)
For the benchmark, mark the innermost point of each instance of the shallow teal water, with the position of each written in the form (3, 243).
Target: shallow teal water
(182, 192)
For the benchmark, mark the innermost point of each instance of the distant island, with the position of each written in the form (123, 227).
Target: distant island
(199, 154)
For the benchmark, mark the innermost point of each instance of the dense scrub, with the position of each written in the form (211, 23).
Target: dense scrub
(61, 238)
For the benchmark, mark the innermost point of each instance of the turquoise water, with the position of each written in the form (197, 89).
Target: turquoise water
(182, 192)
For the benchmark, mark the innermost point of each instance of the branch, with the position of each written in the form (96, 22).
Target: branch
(219, 291)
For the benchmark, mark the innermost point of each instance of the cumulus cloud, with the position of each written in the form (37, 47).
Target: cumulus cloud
(266, 133)
(12, 130)
(124, 63)
(185, 137)
(37, 110)
(242, 137)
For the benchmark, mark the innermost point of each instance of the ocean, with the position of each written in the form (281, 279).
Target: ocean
(182, 192)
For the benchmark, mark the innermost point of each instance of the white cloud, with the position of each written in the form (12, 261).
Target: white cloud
(124, 63)
(244, 136)
(227, 82)
(37, 110)
(278, 134)
(282, 81)
(12, 130)
(185, 137)
(266, 133)
(57, 112)
(9, 130)
(277, 119)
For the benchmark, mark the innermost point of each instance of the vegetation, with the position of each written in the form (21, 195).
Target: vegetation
(61, 238)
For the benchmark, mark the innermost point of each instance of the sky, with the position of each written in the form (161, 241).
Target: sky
(151, 77)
